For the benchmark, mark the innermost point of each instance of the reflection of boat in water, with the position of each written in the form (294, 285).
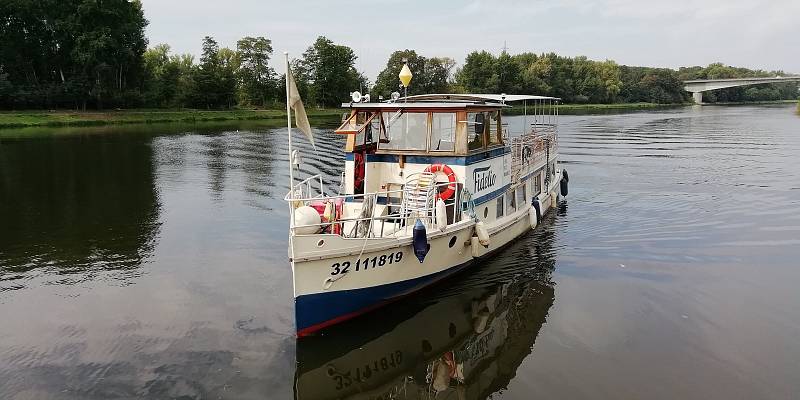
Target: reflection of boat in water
(464, 342)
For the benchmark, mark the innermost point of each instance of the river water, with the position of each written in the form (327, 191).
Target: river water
(150, 262)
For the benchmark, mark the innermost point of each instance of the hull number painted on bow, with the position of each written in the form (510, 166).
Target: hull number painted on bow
(366, 263)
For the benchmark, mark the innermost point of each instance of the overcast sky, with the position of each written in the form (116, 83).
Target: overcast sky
(753, 34)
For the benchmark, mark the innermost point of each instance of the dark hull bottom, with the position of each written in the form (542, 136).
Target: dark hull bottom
(317, 311)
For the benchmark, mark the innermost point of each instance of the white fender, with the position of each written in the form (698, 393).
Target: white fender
(533, 218)
(306, 215)
(441, 215)
(483, 234)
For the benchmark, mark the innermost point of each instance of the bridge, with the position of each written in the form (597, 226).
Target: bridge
(698, 86)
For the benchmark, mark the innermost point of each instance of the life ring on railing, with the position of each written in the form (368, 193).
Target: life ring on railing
(450, 190)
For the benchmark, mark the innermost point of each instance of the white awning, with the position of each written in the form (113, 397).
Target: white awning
(477, 97)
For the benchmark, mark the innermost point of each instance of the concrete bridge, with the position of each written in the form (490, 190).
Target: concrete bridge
(697, 87)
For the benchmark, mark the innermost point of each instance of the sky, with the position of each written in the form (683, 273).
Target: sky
(753, 34)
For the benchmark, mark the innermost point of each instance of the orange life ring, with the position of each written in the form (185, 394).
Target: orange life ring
(450, 190)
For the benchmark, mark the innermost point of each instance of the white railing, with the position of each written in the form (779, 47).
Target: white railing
(532, 148)
(412, 204)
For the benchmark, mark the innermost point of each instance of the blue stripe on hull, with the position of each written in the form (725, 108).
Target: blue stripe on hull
(315, 311)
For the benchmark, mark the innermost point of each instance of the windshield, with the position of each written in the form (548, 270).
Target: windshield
(408, 131)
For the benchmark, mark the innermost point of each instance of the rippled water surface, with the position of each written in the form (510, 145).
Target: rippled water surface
(150, 262)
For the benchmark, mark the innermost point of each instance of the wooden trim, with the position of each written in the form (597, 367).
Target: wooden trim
(354, 114)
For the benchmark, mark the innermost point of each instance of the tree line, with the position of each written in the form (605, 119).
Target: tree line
(83, 54)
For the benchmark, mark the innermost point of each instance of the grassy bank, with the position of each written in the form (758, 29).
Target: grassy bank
(23, 119)
(26, 119)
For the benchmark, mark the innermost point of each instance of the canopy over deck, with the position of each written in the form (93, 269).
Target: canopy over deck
(451, 100)
(500, 98)
(422, 105)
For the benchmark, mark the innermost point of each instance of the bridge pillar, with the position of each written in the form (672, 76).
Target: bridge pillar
(698, 97)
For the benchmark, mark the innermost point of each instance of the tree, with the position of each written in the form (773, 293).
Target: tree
(215, 77)
(72, 52)
(330, 72)
(508, 74)
(229, 66)
(388, 80)
(256, 77)
(479, 73)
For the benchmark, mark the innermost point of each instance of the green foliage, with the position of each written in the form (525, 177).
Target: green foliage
(72, 52)
(93, 54)
(215, 76)
(431, 75)
(328, 73)
(256, 78)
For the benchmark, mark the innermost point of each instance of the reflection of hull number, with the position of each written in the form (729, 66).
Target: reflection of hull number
(366, 263)
(347, 378)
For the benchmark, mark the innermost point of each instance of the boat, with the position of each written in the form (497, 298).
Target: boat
(465, 341)
(430, 185)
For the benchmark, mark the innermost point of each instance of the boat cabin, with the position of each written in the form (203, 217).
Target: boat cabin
(405, 157)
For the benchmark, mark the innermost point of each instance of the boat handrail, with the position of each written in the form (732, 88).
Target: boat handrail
(402, 218)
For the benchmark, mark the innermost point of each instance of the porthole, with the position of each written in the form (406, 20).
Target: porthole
(452, 241)
(486, 212)
(321, 243)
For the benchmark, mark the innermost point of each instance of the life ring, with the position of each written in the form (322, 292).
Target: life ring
(450, 190)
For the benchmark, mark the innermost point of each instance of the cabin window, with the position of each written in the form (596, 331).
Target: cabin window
(369, 127)
(500, 207)
(356, 122)
(493, 127)
(443, 131)
(476, 127)
(521, 195)
(511, 200)
(408, 131)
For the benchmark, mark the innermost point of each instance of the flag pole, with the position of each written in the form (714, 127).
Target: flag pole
(289, 126)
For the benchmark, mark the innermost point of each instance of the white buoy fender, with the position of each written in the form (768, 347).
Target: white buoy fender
(483, 234)
(441, 215)
(533, 217)
(306, 215)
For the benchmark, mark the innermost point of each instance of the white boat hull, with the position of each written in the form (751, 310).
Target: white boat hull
(338, 278)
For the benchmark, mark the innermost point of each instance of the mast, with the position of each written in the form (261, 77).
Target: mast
(289, 125)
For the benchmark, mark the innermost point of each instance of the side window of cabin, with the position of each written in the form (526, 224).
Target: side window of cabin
(373, 130)
(537, 183)
(443, 131)
(500, 207)
(512, 204)
(358, 123)
(521, 196)
(476, 126)
(493, 125)
(407, 131)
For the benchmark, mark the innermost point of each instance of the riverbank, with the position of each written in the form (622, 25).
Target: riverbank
(25, 119)
(28, 119)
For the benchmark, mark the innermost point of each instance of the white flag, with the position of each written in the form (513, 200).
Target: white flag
(300, 117)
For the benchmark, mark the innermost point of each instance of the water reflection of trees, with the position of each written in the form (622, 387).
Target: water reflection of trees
(464, 340)
(75, 205)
